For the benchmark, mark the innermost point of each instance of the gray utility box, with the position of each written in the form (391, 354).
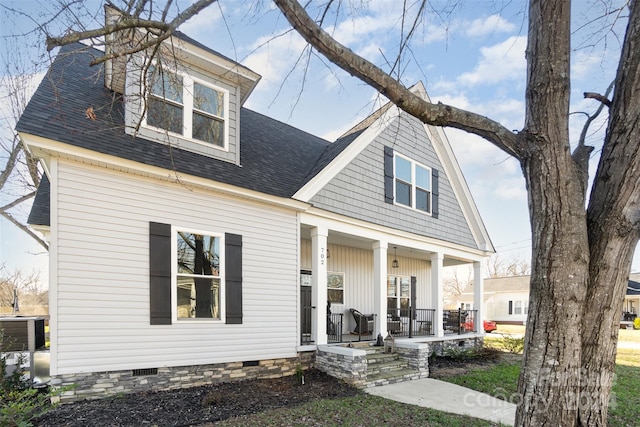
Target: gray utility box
(22, 333)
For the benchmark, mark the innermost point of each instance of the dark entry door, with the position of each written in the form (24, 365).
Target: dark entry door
(305, 312)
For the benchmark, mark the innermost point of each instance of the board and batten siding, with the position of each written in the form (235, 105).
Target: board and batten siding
(357, 266)
(103, 275)
(358, 190)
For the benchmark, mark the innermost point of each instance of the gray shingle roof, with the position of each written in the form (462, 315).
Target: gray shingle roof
(277, 159)
(39, 214)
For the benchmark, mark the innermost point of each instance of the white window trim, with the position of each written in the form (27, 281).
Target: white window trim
(398, 297)
(329, 273)
(174, 276)
(413, 184)
(187, 104)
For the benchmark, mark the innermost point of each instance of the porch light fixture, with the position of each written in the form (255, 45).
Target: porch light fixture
(394, 263)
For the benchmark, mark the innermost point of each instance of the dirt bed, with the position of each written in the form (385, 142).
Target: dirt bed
(197, 405)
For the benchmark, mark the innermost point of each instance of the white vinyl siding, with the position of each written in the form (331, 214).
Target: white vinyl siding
(103, 275)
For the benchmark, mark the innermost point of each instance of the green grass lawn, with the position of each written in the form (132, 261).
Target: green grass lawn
(501, 381)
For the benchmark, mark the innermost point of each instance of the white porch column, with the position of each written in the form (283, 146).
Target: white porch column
(437, 292)
(380, 286)
(319, 284)
(478, 291)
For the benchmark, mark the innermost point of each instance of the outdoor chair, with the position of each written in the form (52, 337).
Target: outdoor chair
(364, 323)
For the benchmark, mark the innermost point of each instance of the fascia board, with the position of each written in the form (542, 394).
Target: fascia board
(53, 148)
(319, 181)
(459, 184)
(335, 222)
(249, 77)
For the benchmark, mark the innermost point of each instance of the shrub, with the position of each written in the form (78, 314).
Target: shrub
(19, 402)
(636, 323)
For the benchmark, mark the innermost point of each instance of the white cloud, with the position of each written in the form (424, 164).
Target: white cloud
(273, 58)
(202, 22)
(500, 62)
(490, 25)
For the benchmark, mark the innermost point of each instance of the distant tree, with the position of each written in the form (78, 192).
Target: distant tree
(455, 282)
(497, 266)
(20, 175)
(28, 286)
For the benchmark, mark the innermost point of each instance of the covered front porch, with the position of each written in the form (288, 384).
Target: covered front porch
(357, 283)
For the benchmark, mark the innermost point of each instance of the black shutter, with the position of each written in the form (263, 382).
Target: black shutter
(160, 273)
(233, 278)
(435, 182)
(388, 174)
(510, 307)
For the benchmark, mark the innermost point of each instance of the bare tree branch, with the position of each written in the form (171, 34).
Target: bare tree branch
(599, 97)
(128, 22)
(433, 114)
(26, 229)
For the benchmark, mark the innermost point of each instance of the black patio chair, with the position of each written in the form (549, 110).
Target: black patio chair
(362, 322)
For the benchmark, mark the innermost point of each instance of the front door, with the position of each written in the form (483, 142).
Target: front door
(305, 308)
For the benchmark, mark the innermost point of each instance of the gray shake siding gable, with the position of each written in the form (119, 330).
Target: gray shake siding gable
(358, 190)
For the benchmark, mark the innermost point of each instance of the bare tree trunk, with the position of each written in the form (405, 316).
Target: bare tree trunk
(549, 382)
(614, 230)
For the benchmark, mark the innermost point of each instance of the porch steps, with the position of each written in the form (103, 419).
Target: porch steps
(384, 368)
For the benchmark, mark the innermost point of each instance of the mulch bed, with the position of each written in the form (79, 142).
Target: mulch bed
(198, 405)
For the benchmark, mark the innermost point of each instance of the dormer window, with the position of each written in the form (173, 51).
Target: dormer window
(185, 106)
(412, 184)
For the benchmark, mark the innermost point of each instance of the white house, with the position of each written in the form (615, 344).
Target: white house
(632, 298)
(195, 240)
(506, 299)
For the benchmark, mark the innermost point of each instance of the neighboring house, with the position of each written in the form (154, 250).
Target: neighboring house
(200, 241)
(506, 299)
(632, 298)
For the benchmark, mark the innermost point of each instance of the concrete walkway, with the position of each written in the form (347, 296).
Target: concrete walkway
(447, 397)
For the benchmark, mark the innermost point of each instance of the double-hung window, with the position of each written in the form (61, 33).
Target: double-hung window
(181, 105)
(412, 184)
(198, 278)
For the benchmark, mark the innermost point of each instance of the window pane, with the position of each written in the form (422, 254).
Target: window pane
(335, 296)
(392, 290)
(404, 304)
(208, 129)
(403, 169)
(198, 254)
(403, 193)
(164, 115)
(208, 100)
(423, 201)
(423, 177)
(165, 85)
(392, 305)
(405, 284)
(198, 297)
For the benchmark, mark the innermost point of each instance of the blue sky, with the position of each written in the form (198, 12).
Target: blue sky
(468, 54)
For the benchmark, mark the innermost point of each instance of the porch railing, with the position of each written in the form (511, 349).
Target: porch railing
(305, 332)
(334, 327)
(417, 322)
(458, 321)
